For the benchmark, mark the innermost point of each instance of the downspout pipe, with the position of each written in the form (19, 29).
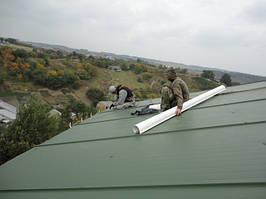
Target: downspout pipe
(147, 124)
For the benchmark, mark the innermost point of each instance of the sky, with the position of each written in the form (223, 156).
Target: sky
(223, 34)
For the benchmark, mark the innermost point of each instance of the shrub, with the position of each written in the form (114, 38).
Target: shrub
(65, 90)
(147, 76)
(95, 95)
(136, 68)
(2, 77)
(204, 84)
(139, 79)
(124, 67)
(208, 74)
(226, 79)
(21, 53)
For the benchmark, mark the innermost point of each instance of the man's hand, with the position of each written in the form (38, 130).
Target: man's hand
(112, 106)
(178, 111)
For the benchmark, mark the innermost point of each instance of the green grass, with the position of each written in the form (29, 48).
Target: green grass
(21, 85)
(9, 93)
(45, 93)
(105, 78)
(127, 78)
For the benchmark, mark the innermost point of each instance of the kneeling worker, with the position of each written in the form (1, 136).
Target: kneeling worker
(124, 97)
(174, 94)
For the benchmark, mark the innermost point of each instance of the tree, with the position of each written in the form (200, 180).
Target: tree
(95, 95)
(32, 126)
(81, 57)
(124, 67)
(138, 68)
(146, 76)
(11, 40)
(46, 62)
(6, 55)
(21, 53)
(208, 74)
(2, 77)
(226, 79)
(77, 107)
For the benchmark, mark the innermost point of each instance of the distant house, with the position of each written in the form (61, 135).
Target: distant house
(7, 112)
(115, 68)
(109, 57)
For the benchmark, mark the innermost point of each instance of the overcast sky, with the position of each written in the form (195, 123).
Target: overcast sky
(226, 34)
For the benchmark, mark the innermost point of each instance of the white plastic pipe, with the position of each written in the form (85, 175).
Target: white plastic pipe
(157, 119)
(155, 106)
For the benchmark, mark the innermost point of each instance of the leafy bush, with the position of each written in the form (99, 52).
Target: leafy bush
(136, 68)
(124, 67)
(74, 106)
(139, 79)
(208, 74)
(83, 75)
(21, 53)
(54, 81)
(147, 76)
(204, 84)
(65, 90)
(226, 79)
(2, 77)
(101, 62)
(181, 70)
(95, 95)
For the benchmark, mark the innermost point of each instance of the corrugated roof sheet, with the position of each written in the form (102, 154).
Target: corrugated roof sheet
(215, 150)
(8, 107)
(7, 114)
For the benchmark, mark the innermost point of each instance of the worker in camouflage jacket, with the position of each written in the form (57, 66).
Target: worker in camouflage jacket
(174, 93)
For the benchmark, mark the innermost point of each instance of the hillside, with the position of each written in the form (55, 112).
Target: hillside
(57, 76)
(241, 78)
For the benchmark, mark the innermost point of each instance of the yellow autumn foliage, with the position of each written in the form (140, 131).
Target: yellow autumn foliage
(51, 72)
(40, 66)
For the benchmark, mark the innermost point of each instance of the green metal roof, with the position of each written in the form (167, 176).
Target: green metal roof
(214, 150)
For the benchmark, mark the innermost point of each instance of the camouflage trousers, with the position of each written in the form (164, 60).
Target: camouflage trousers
(168, 99)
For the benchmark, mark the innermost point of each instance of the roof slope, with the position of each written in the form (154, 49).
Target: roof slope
(215, 150)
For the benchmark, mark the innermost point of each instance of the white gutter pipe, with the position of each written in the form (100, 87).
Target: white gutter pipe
(155, 106)
(157, 119)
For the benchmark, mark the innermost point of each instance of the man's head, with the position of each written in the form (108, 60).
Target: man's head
(111, 89)
(170, 74)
